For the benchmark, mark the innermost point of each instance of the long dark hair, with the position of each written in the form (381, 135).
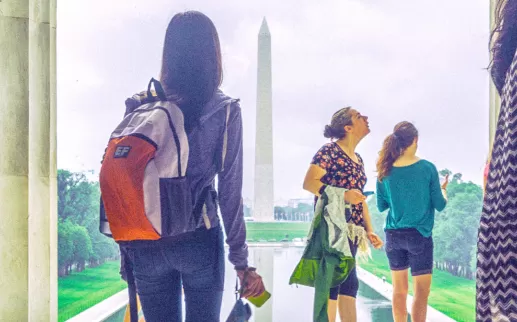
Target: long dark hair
(394, 145)
(336, 128)
(503, 41)
(191, 67)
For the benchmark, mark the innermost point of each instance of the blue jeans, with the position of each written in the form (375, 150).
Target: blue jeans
(195, 262)
(407, 248)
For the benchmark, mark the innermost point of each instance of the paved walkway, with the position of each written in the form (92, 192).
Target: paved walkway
(104, 309)
(385, 289)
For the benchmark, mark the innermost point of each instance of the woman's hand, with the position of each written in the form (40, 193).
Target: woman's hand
(375, 240)
(445, 183)
(251, 282)
(354, 196)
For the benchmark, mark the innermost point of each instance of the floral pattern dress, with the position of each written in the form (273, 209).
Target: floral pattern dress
(342, 172)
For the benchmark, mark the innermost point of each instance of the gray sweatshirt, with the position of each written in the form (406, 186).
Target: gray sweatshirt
(205, 163)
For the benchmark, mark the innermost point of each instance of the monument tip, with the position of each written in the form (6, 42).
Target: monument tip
(264, 29)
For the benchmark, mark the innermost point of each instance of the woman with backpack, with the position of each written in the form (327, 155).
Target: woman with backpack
(182, 248)
(337, 164)
(410, 188)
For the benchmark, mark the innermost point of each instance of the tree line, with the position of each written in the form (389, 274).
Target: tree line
(80, 243)
(455, 229)
(302, 212)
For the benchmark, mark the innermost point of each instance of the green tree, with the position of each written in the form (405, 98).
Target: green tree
(65, 247)
(303, 207)
(80, 241)
(103, 248)
(82, 246)
(457, 177)
(455, 233)
(74, 197)
(445, 172)
(279, 212)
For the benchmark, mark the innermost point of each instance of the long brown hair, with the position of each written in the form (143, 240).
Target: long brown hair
(191, 64)
(394, 145)
(503, 41)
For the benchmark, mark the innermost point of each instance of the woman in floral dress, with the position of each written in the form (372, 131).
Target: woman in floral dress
(337, 164)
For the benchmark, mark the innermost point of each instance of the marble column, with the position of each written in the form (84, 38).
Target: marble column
(494, 99)
(28, 186)
(14, 167)
(39, 161)
(53, 164)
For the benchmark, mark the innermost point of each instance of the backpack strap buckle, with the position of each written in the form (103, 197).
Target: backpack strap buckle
(160, 93)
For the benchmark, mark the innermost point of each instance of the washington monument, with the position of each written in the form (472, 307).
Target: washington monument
(263, 205)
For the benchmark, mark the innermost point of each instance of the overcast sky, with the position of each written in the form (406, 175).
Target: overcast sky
(421, 61)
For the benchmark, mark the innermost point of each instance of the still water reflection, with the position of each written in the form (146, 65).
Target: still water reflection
(292, 303)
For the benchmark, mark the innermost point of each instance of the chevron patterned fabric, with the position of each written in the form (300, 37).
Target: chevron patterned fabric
(497, 240)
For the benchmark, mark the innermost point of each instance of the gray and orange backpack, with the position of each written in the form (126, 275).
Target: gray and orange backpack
(144, 189)
(145, 194)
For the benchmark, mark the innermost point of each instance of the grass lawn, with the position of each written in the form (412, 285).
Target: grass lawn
(276, 230)
(454, 296)
(81, 291)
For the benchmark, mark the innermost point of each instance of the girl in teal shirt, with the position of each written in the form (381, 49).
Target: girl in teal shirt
(409, 188)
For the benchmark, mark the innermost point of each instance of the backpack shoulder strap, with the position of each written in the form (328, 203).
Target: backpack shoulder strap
(225, 135)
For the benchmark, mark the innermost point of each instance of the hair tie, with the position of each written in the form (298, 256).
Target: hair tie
(395, 136)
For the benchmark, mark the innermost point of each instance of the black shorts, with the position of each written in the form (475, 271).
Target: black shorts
(351, 285)
(407, 248)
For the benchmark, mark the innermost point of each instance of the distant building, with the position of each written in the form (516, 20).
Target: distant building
(281, 202)
(293, 203)
(247, 202)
